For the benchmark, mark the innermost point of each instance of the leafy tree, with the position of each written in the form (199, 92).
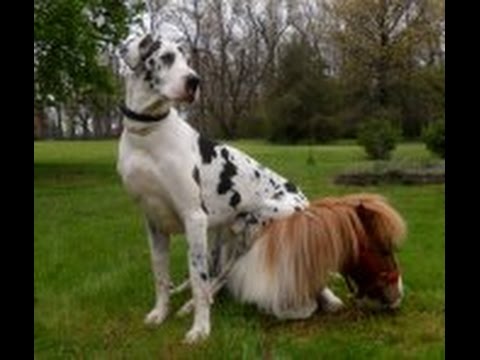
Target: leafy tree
(71, 38)
(302, 100)
(434, 137)
(382, 46)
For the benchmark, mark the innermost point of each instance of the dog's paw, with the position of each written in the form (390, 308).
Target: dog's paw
(156, 316)
(186, 309)
(196, 334)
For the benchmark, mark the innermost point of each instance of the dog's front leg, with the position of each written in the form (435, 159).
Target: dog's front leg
(159, 249)
(196, 231)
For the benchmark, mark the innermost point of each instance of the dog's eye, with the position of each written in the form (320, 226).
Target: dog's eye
(151, 63)
(168, 58)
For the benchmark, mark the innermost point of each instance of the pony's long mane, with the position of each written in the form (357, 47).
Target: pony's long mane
(292, 257)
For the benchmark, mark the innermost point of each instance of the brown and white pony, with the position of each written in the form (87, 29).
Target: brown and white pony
(290, 262)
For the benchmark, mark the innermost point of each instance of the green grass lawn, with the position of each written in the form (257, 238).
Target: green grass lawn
(93, 283)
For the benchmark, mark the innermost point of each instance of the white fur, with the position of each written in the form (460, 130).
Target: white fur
(397, 303)
(250, 282)
(330, 302)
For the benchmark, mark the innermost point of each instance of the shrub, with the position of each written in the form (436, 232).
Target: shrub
(379, 138)
(324, 128)
(434, 137)
(301, 101)
(405, 173)
(286, 119)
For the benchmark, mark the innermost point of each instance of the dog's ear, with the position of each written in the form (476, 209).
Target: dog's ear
(135, 51)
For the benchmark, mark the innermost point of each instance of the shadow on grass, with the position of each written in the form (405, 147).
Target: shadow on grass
(320, 322)
(78, 174)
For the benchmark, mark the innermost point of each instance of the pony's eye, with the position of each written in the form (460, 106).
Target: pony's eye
(385, 253)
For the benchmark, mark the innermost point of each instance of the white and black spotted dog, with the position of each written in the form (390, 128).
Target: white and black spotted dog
(185, 183)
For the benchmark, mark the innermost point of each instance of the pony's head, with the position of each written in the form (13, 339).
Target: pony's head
(374, 273)
(376, 276)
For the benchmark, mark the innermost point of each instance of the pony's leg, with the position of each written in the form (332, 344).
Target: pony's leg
(329, 301)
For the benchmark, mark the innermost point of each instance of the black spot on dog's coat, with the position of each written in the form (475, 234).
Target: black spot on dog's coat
(203, 276)
(168, 58)
(196, 175)
(252, 220)
(297, 199)
(148, 76)
(235, 199)
(229, 170)
(207, 149)
(257, 174)
(224, 153)
(278, 195)
(291, 188)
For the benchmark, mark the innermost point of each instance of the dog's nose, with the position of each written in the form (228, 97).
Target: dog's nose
(192, 83)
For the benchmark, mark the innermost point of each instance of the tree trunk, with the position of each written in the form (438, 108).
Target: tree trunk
(107, 121)
(39, 125)
(383, 61)
(84, 122)
(97, 126)
(58, 128)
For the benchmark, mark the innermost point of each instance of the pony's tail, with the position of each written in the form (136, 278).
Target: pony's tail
(291, 259)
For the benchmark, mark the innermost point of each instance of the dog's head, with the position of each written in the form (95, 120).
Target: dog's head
(161, 67)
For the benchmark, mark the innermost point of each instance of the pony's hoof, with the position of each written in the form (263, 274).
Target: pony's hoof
(333, 305)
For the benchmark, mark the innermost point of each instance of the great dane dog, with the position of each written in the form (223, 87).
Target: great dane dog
(186, 183)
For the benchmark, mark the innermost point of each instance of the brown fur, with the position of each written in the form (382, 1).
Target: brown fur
(324, 238)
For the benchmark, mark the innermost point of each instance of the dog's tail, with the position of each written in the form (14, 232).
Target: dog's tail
(292, 257)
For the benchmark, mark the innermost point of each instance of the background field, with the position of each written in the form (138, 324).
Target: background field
(93, 284)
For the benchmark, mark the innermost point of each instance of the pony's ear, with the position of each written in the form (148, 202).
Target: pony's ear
(134, 51)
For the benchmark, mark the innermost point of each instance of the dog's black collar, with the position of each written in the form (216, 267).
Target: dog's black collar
(142, 117)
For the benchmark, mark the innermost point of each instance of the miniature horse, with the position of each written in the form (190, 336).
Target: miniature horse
(288, 266)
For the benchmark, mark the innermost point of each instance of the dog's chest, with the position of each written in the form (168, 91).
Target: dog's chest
(145, 181)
